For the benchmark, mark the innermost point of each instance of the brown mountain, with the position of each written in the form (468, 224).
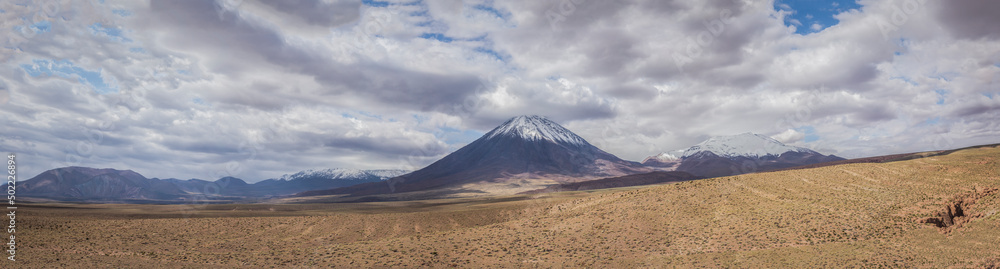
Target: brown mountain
(91, 184)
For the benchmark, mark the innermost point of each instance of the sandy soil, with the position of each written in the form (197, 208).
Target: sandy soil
(897, 214)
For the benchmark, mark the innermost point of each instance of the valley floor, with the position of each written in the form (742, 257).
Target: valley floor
(854, 215)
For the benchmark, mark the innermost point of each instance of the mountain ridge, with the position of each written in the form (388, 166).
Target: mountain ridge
(523, 152)
(745, 153)
(743, 145)
(76, 183)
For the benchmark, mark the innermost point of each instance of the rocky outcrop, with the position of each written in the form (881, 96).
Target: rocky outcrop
(958, 210)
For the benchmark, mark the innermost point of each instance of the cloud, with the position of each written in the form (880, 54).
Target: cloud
(257, 89)
(4, 93)
(970, 19)
(315, 13)
(789, 136)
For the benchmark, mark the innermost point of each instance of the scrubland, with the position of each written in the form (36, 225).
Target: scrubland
(934, 212)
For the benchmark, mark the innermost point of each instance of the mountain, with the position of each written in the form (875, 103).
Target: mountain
(745, 153)
(743, 145)
(287, 184)
(193, 185)
(225, 188)
(90, 184)
(665, 161)
(326, 179)
(524, 153)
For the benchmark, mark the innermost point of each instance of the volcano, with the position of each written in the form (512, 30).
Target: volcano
(523, 153)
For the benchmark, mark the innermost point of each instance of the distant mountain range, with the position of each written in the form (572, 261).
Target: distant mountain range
(526, 154)
(325, 179)
(90, 184)
(738, 154)
(523, 153)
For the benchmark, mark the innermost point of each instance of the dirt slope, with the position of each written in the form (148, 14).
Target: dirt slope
(852, 215)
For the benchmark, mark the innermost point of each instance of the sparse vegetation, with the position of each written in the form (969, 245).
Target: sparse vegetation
(851, 215)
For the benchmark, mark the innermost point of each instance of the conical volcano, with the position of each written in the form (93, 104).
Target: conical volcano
(523, 153)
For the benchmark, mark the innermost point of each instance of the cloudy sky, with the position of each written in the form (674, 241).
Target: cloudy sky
(257, 89)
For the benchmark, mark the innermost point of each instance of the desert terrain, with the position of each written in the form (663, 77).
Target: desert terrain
(935, 212)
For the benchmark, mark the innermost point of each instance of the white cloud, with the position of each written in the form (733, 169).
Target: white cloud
(342, 84)
(789, 136)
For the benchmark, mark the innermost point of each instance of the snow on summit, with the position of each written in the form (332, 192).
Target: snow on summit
(743, 145)
(536, 128)
(666, 157)
(344, 173)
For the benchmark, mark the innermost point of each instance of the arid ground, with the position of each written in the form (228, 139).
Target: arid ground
(934, 212)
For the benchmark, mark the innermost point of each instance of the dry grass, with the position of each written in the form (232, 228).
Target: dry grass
(854, 215)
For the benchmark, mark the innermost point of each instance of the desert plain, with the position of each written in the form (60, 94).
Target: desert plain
(941, 211)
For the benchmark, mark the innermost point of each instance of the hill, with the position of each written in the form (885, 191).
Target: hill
(90, 184)
(618, 182)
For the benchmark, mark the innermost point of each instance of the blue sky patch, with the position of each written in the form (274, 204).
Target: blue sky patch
(481, 38)
(437, 36)
(491, 52)
(421, 13)
(809, 16)
(111, 32)
(42, 27)
(36, 28)
(503, 15)
(420, 119)
(941, 95)
(370, 115)
(482, 49)
(67, 69)
(933, 121)
(810, 133)
(375, 3)
(122, 12)
(453, 136)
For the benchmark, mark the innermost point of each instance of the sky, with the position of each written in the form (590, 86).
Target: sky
(257, 89)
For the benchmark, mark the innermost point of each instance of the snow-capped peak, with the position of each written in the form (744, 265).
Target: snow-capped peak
(536, 128)
(664, 157)
(387, 173)
(344, 173)
(743, 145)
